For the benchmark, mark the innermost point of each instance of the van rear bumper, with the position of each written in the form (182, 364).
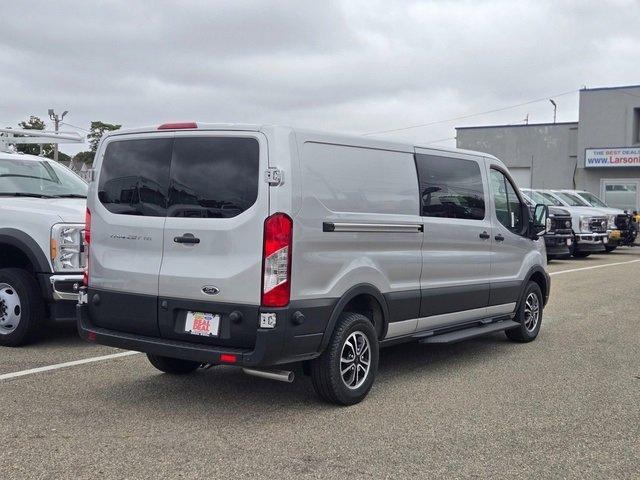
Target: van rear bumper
(272, 346)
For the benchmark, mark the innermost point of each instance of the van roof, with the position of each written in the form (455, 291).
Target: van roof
(349, 139)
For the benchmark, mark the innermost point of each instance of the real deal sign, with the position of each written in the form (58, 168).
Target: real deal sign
(612, 157)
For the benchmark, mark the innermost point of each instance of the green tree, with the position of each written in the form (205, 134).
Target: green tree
(34, 123)
(97, 130)
(62, 157)
(83, 157)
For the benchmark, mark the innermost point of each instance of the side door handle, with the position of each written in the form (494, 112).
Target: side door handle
(187, 238)
(484, 235)
(499, 238)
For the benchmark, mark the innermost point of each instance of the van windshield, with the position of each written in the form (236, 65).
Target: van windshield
(39, 178)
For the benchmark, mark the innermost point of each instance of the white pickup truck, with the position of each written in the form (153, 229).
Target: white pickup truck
(42, 258)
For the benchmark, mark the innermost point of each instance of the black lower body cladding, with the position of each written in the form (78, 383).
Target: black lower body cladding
(155, 325)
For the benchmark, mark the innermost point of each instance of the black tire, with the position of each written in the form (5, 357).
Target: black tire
(30, 309)
(610, 249)
(581, 254)
(326, 370)
(526, 331)
(173, 366)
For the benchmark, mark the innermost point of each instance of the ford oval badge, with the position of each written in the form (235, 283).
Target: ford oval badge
(210, 290)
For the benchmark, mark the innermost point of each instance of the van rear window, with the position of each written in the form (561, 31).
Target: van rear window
(134, 179)
(213, 177)
(200, 177)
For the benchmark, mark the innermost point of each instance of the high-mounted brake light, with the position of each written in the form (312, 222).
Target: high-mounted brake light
(87, 241)
(178, 126)
(276, 260)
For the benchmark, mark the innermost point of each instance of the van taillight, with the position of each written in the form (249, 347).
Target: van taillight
(87, 241)
(276, 260)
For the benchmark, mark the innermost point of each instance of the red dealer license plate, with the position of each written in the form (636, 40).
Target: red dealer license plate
(202, 323)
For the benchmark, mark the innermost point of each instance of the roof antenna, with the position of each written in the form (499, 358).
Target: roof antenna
(526, 119)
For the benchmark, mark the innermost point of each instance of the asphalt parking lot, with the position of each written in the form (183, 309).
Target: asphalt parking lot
(564, 406)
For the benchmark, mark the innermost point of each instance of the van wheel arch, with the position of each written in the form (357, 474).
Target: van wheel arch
(364, 299)
(539, 276)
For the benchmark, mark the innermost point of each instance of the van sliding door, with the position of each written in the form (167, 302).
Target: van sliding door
(456, 251)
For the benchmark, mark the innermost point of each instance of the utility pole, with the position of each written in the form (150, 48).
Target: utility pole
(56, 122)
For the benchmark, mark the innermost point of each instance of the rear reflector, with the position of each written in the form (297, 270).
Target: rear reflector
(228, 358)
(178, 126)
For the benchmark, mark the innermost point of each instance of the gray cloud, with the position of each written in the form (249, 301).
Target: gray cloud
(360, 65)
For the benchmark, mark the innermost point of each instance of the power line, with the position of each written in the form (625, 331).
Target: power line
(437, 141)
(75, 126)
(543, 99)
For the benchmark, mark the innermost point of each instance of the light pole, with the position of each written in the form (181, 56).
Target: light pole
(555, 109)
(56, 122)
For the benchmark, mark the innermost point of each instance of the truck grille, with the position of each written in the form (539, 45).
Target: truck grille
(561, 225)
(622, 222)
(598, 224)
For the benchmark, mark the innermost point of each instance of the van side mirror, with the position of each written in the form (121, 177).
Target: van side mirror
(541, 222)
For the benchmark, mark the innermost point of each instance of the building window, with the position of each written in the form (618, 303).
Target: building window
(636, 125)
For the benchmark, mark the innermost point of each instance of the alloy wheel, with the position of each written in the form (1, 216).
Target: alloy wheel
(531, 312)
(355, 360)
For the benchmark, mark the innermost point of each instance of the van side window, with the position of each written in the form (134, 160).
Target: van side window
(134, 179)
(450, 187)
(508, 206)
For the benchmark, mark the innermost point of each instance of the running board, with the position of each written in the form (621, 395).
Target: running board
(459, 335)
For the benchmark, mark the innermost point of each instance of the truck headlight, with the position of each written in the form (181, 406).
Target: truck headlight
(67, 247)
(611, 222)
(584, 223)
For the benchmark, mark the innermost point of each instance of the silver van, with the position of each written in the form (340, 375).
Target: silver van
(264, 247)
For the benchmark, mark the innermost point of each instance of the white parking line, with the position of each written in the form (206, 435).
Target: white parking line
(593, 267)
(58, 366)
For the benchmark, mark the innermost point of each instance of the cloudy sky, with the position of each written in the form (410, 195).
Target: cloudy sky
(358, 66)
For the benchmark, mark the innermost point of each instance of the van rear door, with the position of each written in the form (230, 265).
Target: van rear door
(212, 260)
(127, 223)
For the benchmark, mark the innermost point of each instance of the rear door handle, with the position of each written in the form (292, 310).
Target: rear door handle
(186, 238)
(499, 238)
(484, 235)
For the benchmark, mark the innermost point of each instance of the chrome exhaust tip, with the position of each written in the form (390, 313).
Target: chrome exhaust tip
(279, 375)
